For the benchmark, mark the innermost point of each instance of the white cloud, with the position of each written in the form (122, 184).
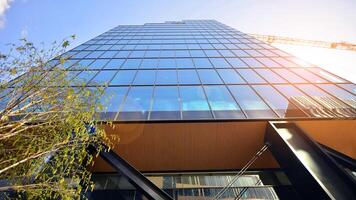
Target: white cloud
(24, 32)
(4, 5)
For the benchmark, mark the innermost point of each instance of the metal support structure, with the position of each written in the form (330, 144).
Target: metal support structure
(135, 177)
(313, 173)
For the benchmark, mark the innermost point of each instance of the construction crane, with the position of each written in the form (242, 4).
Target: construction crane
(313, 43)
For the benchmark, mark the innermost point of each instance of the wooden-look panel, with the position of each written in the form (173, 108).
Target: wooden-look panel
(337, 134)
(214, 145)
(190, 146)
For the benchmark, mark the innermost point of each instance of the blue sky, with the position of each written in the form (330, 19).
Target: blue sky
(49, 20)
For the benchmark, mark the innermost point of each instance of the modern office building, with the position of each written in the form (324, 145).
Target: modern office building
(204, 111)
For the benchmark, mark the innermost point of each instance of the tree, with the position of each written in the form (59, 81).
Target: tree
(46, 124)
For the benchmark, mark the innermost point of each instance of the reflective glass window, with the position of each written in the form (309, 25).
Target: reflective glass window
(284, 62)
(250, 102)
(230, 76)
(137, 103)
(152, 54)
(83, 64)
(237, 63)
(131, 64)
(226, 53)
(340, 93)
(114, 64)
(108, 54)
(253, 53)
(145, 77)
(349, 87)
(122, 54)
(275, 100)
(222, 103)
(182, 54)
(240, 53)
(209, 76)
(123, 77)
(289, 76)
(193, 98)
(188, 77)
(212, 53)
(270, 76)
(197, 53)
(326, 75)
(167, 63)
(165, 103)
(202, 63)
(268, 62)
(137, 54)
(219, 63)
(103, 77)
(149, 64)
(95, 54)
(112, 99)
(85, 76)
(308, 75)
(167, 54)
(98, 64)
(250, 76)
(184, 63)
(252, 62)
(166, 77)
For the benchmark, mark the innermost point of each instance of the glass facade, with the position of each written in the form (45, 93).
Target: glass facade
(202, 69)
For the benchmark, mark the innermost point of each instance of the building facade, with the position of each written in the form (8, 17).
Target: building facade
(193, 102)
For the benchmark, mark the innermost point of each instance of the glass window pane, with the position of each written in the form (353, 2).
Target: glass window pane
(308, 75)
(268, 62)
(197, 53)
(237, 63)
(108, 54)
(111, 101)
(145, 77)
(226, 53)
(137, 54)
(103, 78)
(209, 76)
(250, 76)
(188, 77)
(98, 64)
(222, 103)
(122, 54)
(290, 76)
(240, 53)
(250, 102)
(326, 75)
(279, 103)
(194, 103)
(149, 64)
(152, 54)
(83, 64)
(340, 93)
(212, 53)
(165, 103)
(252, 62)
(349, 87)
(137, 103)
(166, 77)
(85, 76)
(123, 77)
(184, 63)
(167, 54)
(131, 64)
(230, 76)
(182, 54)
(202, 63)
(167, 63)
(219, 63)
(270, 76)
(114, 64)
